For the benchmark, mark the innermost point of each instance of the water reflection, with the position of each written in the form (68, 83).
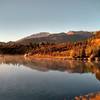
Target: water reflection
(54, 64)
(46, 79)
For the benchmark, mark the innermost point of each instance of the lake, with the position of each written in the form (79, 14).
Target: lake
(46, 79)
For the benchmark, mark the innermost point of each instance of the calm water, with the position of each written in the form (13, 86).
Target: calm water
(25, 79)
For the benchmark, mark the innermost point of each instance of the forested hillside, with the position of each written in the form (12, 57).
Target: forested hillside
(89, 48)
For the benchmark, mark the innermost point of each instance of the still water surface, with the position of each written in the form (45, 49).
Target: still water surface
(45, 79)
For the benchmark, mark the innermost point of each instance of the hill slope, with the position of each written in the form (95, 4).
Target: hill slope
(71, 36)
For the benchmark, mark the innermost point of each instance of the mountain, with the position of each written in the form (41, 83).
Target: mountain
(63, 37)
(79, 35)
(38, 35)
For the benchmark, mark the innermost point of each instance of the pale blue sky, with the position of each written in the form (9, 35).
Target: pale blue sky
(19, 18)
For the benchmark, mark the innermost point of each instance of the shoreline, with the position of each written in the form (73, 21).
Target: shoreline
(87, 59)
(90, 96)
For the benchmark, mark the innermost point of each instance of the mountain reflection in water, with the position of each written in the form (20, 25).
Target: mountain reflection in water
(54, 64)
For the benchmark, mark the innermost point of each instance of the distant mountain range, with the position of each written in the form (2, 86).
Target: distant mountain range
(63, 37)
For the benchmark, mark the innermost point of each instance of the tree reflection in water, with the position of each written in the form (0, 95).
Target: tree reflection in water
(53, 64)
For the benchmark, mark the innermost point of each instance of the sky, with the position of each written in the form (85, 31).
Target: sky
(20, 18)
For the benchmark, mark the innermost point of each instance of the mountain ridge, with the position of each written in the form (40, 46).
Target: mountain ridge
(62, 37)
